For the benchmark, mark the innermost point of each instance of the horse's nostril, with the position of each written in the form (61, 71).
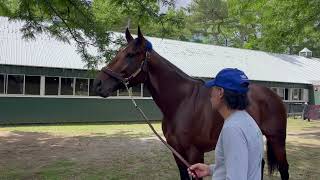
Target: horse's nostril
(99, 82)
(97, 85)
(99, 89)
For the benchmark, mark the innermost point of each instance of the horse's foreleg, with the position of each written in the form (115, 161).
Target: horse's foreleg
(183, 170)
(193, 156)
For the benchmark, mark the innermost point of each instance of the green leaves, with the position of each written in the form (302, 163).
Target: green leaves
(288, 25)
(268, 25)
(88, 25)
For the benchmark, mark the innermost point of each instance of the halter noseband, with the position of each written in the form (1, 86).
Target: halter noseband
(119, 76)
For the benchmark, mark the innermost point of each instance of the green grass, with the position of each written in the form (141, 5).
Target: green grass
(139, 129)
(119, 151)
(134, 129)
(298, 124)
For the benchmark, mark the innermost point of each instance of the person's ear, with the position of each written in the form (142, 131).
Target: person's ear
(221, 93)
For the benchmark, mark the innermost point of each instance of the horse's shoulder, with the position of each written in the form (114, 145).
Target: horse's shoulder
(263, 94)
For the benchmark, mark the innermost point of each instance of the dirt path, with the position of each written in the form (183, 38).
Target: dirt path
(30, 155)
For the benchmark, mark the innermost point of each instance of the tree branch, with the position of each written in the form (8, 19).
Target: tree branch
(66, 24)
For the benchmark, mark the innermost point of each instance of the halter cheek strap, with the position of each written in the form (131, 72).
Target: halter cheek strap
(148, 46)
(143, 67)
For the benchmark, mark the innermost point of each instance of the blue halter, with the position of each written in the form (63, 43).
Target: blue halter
(148, 46)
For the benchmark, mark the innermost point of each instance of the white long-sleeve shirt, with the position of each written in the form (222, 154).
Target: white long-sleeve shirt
(239, 151)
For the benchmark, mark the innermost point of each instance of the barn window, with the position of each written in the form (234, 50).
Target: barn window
(81, 87)
(274, 89)
(123, 92)
(297, 94)
(300, 94)
(136, 90)
(51, 85)
(146, 92)
(2, 78)
(67, 85)
(283, 93)
(93, 93)
(286, 94)
(91, 90)
(15, 84)
(32, 85)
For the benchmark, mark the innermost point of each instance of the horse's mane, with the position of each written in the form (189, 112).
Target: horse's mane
(180, 72)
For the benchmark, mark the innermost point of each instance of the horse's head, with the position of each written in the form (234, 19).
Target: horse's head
(129, 65)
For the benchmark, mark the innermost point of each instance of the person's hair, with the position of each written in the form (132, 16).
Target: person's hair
(235, 100)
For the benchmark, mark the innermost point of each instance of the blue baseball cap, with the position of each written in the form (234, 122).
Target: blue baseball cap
(230, 79)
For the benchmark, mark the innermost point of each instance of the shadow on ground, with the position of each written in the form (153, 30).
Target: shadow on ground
(30, 155)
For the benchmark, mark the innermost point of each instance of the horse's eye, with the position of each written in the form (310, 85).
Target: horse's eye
(130, 55)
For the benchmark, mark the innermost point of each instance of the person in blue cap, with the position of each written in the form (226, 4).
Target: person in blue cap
(239, 150)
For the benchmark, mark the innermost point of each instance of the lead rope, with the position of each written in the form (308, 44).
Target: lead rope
(155, 132)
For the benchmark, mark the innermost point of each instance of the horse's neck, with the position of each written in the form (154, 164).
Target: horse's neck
(168, 85)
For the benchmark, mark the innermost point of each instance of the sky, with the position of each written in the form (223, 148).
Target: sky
(179, 4)
(183, 3)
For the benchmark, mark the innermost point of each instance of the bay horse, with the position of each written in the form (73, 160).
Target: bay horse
(189, 123)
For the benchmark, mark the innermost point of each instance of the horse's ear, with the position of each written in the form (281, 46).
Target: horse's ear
(140, 36)
(128, 35)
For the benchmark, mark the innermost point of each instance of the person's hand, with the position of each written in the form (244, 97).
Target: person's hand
(200, 169)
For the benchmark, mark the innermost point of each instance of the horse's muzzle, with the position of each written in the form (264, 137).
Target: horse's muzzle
(105, 88)
(97, 87)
